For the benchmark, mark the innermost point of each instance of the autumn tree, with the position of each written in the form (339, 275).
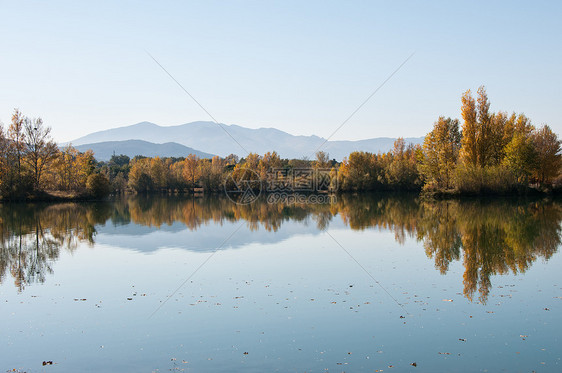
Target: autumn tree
(497, 138)
(482, 131)
(270, 162)
(519, 151)
(231, 159)
(251, 161)
(211, 171)
(176, 178)
(64, 168)
(158, 173)
(5, 169)
(16, 137)
(469, 150)
(70, 169)
(40, 148)
(216, 173)
(362, 171)
(440, 152)
(190, 170)
(484, 138)
(402, 172)
(548, 158)
(322, 160)
(139, 176)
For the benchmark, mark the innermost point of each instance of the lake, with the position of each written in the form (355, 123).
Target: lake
(363, 284)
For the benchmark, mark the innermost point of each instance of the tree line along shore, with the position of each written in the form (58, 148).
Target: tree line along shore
(487, 153)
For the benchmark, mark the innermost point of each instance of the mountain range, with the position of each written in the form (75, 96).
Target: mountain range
(105, 149)
(207, 138)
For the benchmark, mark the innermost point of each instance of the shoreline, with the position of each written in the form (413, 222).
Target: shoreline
(61, 197)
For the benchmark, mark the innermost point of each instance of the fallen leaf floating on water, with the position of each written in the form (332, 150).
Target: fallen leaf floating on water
(447, 300)
(246, 353)
(414, 364)
(47, 363)
(444, 353)
(402, 317)
(547, 309)
(129, 298)
(462, 339)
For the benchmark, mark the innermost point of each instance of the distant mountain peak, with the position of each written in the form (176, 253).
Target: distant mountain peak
(145, 124)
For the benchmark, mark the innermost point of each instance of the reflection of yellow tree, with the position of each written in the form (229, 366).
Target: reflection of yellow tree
(496, 238)
(194, 212)
(492, 237)
(32, 236)
(438, 229)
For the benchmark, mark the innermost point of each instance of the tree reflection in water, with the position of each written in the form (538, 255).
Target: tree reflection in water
(489, 236)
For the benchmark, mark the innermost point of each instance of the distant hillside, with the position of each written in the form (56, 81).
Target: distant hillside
(211, 138)
(104, 150)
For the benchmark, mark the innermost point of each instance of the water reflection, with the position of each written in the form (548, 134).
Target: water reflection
(490, 237)
(33, 235)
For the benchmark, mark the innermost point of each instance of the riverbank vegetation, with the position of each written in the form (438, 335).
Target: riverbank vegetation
(32, 166)
(493, 152)
(489, 152)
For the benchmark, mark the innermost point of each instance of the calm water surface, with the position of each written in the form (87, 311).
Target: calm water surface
(369, 283)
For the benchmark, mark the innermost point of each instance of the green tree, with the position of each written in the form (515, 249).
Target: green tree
(98, 185)
(520, 156)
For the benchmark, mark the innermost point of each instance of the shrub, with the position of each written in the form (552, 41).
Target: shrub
(98, 186)
(493, 179)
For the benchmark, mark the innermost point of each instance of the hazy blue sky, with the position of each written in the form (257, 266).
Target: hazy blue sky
(300, 66)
